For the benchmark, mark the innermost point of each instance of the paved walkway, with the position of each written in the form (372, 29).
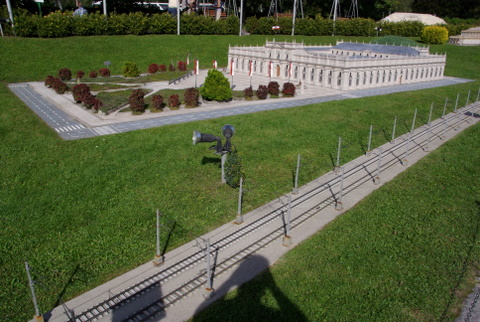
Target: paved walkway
(72, 122)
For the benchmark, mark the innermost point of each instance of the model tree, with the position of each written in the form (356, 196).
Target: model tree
(216, 87)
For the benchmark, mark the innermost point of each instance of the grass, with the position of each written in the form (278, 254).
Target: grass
(408, 252)
(82, 212)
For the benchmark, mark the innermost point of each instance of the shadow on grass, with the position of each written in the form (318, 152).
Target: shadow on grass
(249, 302)
(207, 160)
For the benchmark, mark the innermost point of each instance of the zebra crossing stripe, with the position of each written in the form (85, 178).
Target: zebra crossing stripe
(69, 128)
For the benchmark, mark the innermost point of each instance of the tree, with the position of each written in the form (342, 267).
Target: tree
(216, 87)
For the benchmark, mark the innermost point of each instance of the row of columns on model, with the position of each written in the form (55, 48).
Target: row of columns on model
(330, 77)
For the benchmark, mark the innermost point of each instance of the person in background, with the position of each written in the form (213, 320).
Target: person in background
(172, 7)
(80, 11)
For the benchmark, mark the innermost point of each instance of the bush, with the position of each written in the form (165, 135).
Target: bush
(191, 97)
(288, 89)
(163, 24)
(59, 86)
(136, 23)
(130, 69)
(137, 102)
(162, 68)
(435, 35)
(153, 68)
(233, 169)
(248, 92)
(171, 68)
(93, 74)
(157, 103)
(182, 66)
(402, 28)
(80, 74)
(56, 24)
(104, 72)
(216, 87)
(174, 102)
(90, 101)
(65, 74)
(274, 88)
(49, 81)
(262, 92)
(80, 92)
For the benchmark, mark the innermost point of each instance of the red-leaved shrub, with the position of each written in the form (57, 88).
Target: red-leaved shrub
(162, 68)
(182, 66)
(157, 103)
(49, 81)
(262, 92)
(174, 102)
(136, 101)
(80, 74)
(65, 74)
(104, 72)
(171, 68)
(93, 74)
(191, 97)
(274, 88)
(288, 89)
(59, 86)
(153, 68)
(80, 92)
(248, 92)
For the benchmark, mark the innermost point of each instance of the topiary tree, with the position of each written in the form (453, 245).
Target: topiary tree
(49, 81)
(59, 86)
(182, 66)
(104, 72)
(65, 74)
(130, 69)
(191, 97)
(288, 89)
(153, 68)
(79, 92)
(157, 103)
(248, 93)
(137, 102)
(274, 88)
(216, 87)
(434, 35)
(262, 92)
(80, 74)
(174, 102)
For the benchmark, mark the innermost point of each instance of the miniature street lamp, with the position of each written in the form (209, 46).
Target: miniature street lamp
(227, 131)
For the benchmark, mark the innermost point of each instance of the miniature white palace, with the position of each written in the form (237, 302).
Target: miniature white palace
(469, 37)
(345, 66)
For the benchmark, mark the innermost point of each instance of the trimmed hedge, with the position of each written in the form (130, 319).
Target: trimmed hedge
(63, 24)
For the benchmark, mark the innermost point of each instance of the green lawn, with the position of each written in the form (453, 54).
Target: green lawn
(82, 212)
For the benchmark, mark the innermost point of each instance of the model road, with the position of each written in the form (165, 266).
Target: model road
(70, 129)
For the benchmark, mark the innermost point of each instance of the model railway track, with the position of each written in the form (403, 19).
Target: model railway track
(390, 158)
